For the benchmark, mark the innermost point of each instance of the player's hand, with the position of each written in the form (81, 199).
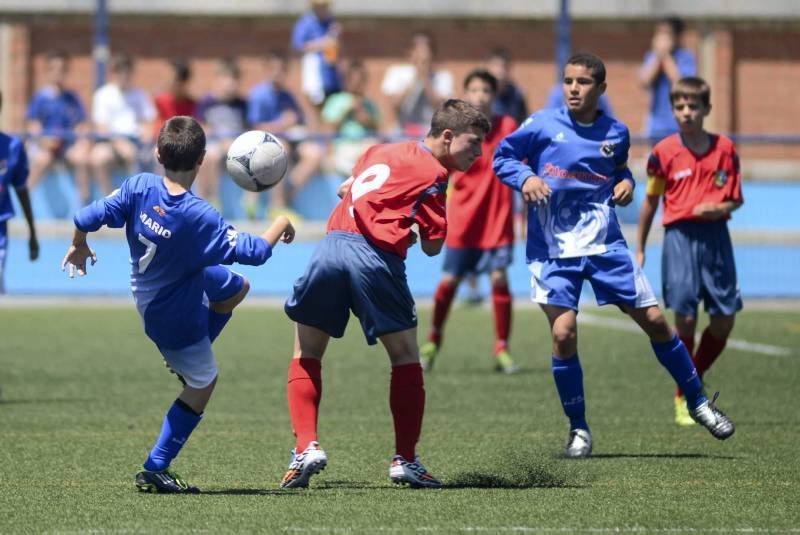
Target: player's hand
(76, 257)
(623, 193)
(33, 248)
(709, 210)
(287, 236)
(535, 190)
(640, 258)
(344, 187)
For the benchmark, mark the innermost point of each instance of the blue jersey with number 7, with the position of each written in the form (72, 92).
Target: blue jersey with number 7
(172, 238)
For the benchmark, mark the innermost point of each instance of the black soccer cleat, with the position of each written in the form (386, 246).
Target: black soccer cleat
(163, 482)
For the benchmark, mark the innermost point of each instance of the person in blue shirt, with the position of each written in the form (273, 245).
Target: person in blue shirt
(664, 64)
(316, 37)
(184, 295)
(571, 166)
(57, 124)
(14, 174)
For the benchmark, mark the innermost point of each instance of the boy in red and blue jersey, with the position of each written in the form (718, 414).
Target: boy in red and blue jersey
(697, 174)
(480, 234)
(360, 266)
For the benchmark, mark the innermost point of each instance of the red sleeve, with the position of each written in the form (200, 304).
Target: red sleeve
(654, 165)
(735, 183)
(429, 212)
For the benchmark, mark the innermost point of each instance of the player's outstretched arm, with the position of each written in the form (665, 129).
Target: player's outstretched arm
(280, 229)
(77, 254)
(648, 211)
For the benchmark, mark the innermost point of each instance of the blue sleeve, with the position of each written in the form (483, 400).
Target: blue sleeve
(508, 158)
(112, 211)
(19, 173)
(623, 172)
(687, 66)
(222, 244)
(300, 33)
(80, 111)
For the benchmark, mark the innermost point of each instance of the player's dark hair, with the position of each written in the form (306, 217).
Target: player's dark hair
(181, 143)
(458, 116)
(181, 69)
(57, 53)
(691, 87)
(676, 23)
(501, 53)
(481, 74)
(591, 62)
(121, 62)
(229, 67)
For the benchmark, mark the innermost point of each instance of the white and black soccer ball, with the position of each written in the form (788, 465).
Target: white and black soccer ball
(257, 160)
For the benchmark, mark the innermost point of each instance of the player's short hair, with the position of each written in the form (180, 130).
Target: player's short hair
(229, 67)
(591, 62)
(458, 116)
(181, 69)
(181, 143)
(57, 53)
(676, 23)
(501, 53)
(691, 87)
(121, 62)
(481, 74)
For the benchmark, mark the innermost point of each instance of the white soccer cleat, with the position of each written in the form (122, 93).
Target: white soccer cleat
(579, 444)
(414, 474)
(709, 416)
(311, 461)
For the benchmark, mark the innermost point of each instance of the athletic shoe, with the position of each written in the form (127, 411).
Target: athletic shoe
(579, 444)
(414, 474)
(504, 363)
(164, 481)
(682, 416)
(427, 355)
(709, 416)
(312, 461)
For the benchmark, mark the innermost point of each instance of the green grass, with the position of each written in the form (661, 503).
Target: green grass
(84, 393)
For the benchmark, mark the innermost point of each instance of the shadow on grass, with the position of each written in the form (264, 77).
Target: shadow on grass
(658, 456)
(516, 474)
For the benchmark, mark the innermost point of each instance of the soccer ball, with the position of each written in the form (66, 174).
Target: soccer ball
(257, 160)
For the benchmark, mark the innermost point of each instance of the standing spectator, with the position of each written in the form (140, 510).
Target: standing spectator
(316, 37)
(416, 89)
(57, 122)
(271, 107)
(509, 100)
(664, 64)
(176, 100)
(13, 174)
(354, 118)
(123, 116)
(223, 114)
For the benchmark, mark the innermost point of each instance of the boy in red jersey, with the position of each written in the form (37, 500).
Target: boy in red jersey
(480, 234)
(360, 266)
(698, 175)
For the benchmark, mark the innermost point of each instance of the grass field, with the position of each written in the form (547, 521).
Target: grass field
(84, 393)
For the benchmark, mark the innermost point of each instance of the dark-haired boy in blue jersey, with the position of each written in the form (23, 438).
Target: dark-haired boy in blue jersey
(571, 166)
(185, 297)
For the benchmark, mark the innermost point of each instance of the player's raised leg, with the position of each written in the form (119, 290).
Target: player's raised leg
(568, 377)
(442, 301)
(304, 392)
(407, 402)
(225, 289)
(501, 304)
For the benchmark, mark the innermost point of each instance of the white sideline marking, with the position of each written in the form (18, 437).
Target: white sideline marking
(536, 529)
(629, 326)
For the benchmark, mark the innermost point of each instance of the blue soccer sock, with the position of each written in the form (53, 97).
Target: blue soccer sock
(569, 383)
(178, 425)
(674, 356)
(217, 322)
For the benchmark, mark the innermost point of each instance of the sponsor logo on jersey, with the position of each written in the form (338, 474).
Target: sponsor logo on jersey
(155, 226)
(607, 148)
(683, 173)
(230, 236)
(556, 171)
(720, 178)
(160, 211)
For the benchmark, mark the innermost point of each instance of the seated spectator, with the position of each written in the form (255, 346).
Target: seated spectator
(176, 100)
(56, 122)
(316, 37)
(223, 114)
(271, 107)
(353, 117)
(416, 88)
(509, 100)
(123, 117)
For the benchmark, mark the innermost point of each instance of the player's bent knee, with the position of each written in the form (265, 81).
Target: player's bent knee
(226, 306)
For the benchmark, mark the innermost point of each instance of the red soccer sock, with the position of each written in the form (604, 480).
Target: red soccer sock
(442, 300)
(304, 392)
(407, 401)
(501, 301)
(688, 341)
(707, 352)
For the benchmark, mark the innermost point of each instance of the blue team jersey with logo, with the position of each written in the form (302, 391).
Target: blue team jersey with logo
(172, 238)
(13, 172)
(581, 164)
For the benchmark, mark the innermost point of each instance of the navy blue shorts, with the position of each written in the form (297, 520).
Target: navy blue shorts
(461, 261)
(697, 264)
(220, 283)
(347, 273)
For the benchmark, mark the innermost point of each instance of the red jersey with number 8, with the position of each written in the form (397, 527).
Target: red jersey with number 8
(395, 186)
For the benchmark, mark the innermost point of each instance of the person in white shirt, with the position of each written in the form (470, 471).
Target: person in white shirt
(122, 117)
(416, 88)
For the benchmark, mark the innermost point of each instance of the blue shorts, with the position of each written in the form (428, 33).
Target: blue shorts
(460, 261)
(220, 283)
(347, 273)
(697, 264)
(615, 276)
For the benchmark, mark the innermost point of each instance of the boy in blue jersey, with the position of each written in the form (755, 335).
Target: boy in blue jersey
(185, 297)
(571, 166)
(14, 174)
